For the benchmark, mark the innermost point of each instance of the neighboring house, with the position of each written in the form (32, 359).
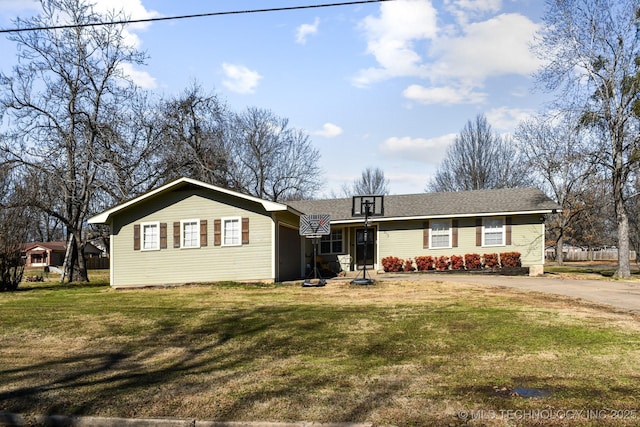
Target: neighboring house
(188, 231)
(44, 254)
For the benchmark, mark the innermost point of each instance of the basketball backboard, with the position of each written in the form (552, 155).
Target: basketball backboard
(315, 225)
(372, 205)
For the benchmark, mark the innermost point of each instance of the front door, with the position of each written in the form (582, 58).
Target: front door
(365, 248)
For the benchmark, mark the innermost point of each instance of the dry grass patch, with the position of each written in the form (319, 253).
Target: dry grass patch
(403, 353)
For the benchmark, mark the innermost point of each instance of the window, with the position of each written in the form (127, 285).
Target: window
(231, 231)
(150, 236)
(440, 234)
(190, 230)
(331, 243)
(493, 232)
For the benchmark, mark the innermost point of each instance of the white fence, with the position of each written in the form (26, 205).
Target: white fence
(578, 254)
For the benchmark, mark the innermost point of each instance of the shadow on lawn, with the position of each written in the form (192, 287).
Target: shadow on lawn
(172, 366)
(56, 286)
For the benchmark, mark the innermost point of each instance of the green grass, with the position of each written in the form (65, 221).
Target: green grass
(393, 354)
(606, 270)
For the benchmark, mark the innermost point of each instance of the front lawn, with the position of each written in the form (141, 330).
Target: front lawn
(405, 354)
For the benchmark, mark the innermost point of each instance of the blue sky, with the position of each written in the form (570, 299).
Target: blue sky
(385, 85)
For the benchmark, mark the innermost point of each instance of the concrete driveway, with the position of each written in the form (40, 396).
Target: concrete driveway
(620, 294)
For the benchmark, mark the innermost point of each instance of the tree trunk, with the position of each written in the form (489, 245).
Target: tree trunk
(559, 253)
(624, 267)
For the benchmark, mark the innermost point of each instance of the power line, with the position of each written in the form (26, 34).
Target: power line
(199, 15)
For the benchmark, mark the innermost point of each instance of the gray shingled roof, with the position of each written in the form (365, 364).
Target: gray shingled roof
(463, 203)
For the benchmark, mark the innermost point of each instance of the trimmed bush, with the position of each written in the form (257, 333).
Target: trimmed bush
(408, 265)
(510, 259)
(442, 263)
(473, 261)
(491, 261)
(424, 262)
(392, 264)
(457, 262)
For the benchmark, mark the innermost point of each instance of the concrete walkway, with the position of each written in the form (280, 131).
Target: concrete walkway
(617, 293)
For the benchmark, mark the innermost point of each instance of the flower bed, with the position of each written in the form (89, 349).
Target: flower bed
(505, 263)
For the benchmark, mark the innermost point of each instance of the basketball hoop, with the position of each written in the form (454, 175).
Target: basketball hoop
(314, 227)
(366, 206)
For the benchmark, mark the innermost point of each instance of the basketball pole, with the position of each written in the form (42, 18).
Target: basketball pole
(316, 273)
(364, 280)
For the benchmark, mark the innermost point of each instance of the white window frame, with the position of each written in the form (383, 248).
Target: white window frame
(329, 238)
(143, 235)
(224, 221)
(485, 230)
(439, 233)
(184, 222)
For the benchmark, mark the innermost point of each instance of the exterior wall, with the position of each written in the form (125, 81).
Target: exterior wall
(248, 262)
(404, 239)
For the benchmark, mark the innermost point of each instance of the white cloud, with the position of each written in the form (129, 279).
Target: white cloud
(464, 10)
(507, 119)
(452, 58)
(132, 9)
(449, 95)
(240, 79)
(140, 78)
(493, 47)
(430, 151)
(391, 38)
(329, 130)
(306, 30)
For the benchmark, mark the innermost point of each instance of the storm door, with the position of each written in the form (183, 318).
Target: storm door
(369, 246)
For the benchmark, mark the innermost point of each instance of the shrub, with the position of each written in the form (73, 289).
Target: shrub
(392, 264)
(424, 262)
(408, 265)
(473, 261)
(457, 262)
(510, 259)
(491, 261)
(442, 263)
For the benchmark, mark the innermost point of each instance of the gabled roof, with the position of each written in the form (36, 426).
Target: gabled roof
(439, 205)
(53, 246)
(57, 246)
(105, 216)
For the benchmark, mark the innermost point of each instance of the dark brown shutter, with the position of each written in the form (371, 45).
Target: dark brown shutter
(217, 232)
(163, 235)
(136, 237)
(454, 233)
(176, 234)
(507, 237)
(478, 231)
(203, 232)
(425, 235)
(245, 231)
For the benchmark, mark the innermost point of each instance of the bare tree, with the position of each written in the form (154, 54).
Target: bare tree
(591, 48)
(271, 160)
(194, 128)
(478, 159)
(62, 98)
(554, 151)
(14, 226)
(372, 181)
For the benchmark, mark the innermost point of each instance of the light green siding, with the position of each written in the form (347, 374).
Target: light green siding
(253, 261)
(404, 239)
